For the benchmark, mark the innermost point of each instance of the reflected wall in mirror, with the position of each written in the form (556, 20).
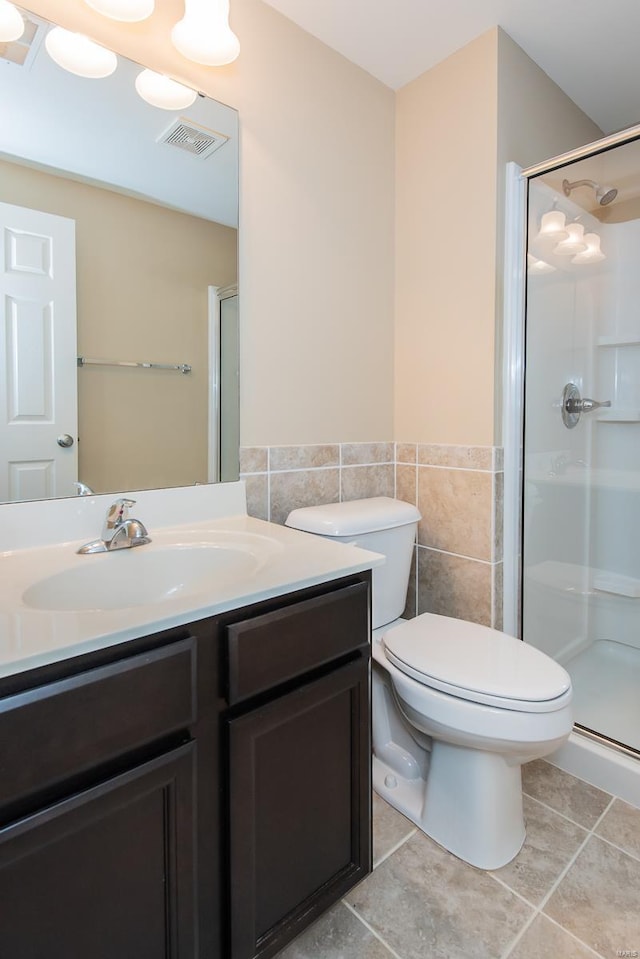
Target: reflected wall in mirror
(118, 243)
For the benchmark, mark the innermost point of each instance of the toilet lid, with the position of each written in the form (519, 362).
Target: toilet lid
(476, 663)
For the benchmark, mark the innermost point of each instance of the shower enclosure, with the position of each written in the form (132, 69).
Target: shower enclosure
(580, 453)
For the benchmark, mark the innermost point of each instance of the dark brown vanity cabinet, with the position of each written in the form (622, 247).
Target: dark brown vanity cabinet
(201, 793)
(99, 783)
(298, 745)
(107, 872)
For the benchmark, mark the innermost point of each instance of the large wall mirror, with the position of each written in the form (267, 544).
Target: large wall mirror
(118, 323)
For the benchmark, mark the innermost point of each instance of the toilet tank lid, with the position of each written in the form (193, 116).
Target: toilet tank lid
(354, 517)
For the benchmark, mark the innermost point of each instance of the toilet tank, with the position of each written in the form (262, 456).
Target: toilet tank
(381, 524)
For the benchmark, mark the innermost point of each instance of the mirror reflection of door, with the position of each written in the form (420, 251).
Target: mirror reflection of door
(229, 387)
(38, 407)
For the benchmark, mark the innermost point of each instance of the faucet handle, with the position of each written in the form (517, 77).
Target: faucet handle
(116, 514)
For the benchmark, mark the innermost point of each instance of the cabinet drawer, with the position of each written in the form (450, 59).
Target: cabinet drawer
(277, 646)
(58, 730)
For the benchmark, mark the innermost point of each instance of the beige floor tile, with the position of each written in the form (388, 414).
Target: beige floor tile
(544, 940)
(389, 828)
(567, 795)
(621, 826)
(426, 904)
(550, 844)
(337, 935)
(598, 899)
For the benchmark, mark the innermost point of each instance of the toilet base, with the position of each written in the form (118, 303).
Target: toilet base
(470, 802)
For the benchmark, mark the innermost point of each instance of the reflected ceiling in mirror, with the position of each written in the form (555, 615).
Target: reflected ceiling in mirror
(119, 239)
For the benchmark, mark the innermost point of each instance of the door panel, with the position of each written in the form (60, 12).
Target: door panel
(38, 366)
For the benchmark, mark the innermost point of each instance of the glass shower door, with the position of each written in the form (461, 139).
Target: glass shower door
(581, 462)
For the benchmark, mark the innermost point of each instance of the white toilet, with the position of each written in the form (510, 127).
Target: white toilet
(457, 707)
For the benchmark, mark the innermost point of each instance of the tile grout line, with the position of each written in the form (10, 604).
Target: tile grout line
(539, 910)
(373, 932)
(625, 852)
(395, 848)
(513, 892)
(554, 886)
(562, 815)
(463, 469)
(337, 465)
(395, 470)
(492, 547)
(324, 468)
(574, 937)
(514, 942)
(269, 483)
(573, 859)
(446, 552)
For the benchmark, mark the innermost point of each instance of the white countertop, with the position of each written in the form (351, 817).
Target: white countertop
(30, 638)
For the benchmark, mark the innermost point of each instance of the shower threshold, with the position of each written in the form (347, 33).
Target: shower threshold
(606, 691)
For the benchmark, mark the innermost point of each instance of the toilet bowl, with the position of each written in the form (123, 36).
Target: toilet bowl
(457, 707)
(482, 704)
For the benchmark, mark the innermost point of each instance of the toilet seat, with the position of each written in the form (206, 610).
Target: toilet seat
(473, 662)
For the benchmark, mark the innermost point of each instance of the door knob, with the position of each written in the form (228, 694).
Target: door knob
(65, 440)
(573, 405)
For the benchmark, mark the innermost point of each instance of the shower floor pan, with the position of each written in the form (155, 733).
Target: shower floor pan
(606, 690)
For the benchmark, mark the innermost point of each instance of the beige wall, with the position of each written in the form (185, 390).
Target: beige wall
(457, 127)
(142, 278)
(445, 250)
(537, 120)
(316, 219)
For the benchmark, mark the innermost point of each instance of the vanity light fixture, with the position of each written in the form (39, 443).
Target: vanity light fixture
(593, 253)
(204, 35)
(127, 11)
(553, 226)
(161, 91)
(574, 242)
(77, 54)
(11, 22)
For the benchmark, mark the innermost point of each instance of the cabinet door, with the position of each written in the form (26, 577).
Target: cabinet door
(107, 873)
(300, 808)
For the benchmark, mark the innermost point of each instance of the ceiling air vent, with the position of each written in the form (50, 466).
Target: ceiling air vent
(22, 51)
(186, 135)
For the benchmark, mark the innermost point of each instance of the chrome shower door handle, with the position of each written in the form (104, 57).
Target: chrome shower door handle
(587, 405)
(573, 405)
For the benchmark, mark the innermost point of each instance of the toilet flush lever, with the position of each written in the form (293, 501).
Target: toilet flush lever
(573, 405)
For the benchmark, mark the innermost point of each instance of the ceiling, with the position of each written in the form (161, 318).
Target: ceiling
(47, 113)
(588, 47)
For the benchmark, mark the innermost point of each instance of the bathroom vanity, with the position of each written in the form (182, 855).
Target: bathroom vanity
(196, 790)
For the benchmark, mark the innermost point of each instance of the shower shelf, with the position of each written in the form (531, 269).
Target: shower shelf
(618, 341)
(618, 416)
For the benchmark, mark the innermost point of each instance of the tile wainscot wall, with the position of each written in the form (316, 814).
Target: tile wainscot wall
(457, 568)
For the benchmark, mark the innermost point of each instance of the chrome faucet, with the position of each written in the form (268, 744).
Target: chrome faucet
(83, 490)
(120, 531)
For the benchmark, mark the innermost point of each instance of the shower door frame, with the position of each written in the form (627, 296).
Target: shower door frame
(514, 312)
(513, 373)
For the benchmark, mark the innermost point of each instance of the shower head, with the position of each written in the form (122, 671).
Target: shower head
(604, 194)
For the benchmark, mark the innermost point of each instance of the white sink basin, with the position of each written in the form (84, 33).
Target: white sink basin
(150, 574)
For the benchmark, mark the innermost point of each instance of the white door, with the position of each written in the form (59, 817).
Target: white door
(38, 355)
